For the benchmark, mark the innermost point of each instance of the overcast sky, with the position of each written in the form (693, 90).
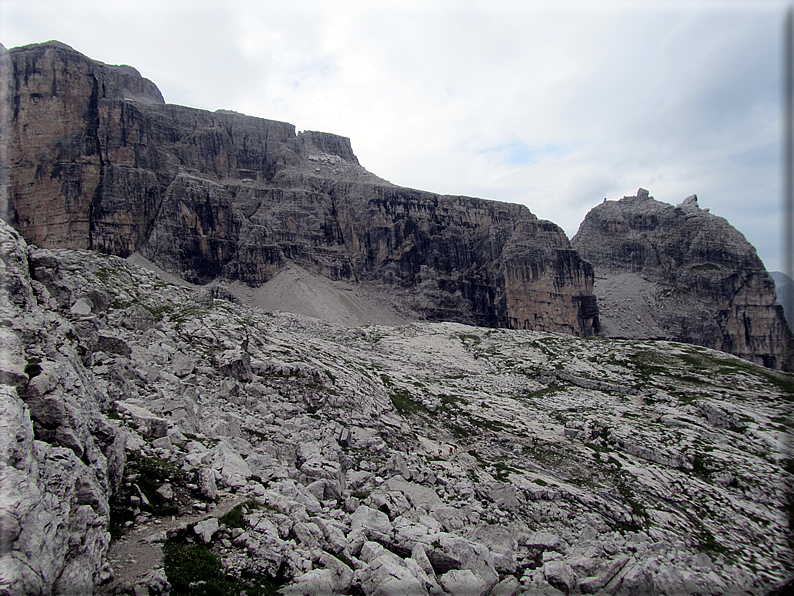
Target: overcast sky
(556, 105)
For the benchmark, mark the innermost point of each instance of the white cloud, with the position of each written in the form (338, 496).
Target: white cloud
(555, 105)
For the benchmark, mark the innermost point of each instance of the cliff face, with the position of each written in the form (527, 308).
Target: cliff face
(98, 160)
(684, 274)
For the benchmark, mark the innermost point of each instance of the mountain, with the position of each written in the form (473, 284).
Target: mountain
(156, 436)
(98, 161)
(164, 429)
(684, 274)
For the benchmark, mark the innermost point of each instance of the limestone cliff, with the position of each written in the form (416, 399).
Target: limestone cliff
(685, 274)
(98, 160)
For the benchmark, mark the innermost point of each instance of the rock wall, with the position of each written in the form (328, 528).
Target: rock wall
(99, 161)
(60, 458)
(685, 274)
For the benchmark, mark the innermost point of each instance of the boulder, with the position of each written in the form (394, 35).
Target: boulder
(231, 467)
(373, 523)
(463, 582)
(148, 424)
(206, 529)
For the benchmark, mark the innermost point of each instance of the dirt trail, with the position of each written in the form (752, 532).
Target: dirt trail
(140, 550)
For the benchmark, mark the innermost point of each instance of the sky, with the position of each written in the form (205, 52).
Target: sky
(555, 105)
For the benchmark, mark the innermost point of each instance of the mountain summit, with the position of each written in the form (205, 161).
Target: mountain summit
(684, 274)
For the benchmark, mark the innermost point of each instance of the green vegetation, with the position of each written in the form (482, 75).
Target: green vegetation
(187, 564)
(494, 425)
(404, 403)
(649, 364)
(503, 471)
(708, 544)
(152, 473)
(32, 369)
(541, 393)
(711, 364)
(235, 518)
(194, 570)
(466, 338)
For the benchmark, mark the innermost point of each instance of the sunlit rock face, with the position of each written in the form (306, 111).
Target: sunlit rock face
(684, 274)
(99, 161)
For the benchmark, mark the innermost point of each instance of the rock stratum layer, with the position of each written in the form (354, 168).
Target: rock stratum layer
(684, 274)
(98, 161)
(154, 436)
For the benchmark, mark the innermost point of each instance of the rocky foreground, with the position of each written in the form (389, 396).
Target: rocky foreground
(157, 437)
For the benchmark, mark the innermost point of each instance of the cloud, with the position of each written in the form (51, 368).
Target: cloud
(554, 105)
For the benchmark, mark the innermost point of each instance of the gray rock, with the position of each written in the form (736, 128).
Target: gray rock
(463, 582)
(449, 551)
(206, 529)
(525, 266)
(182, 364)
(166, 491)
(506, 587)
(317, 582)
(148, 424)
(207, 486)
(232, 468)
(385, 573)
(559, 575)
(82, 306)
(373, 523)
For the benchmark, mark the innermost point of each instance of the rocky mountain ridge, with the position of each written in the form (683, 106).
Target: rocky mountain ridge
(98, 161)
(231, 449)
(684, 274)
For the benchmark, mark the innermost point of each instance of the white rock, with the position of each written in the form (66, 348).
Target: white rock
(373, 523)
(206, 529)
(462, 582)
(232, 468)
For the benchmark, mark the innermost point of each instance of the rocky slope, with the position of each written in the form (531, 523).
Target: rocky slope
(227, 449)
(98, 161)
(683, 274)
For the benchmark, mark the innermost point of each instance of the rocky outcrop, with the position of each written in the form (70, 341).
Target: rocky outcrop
(61, 459)
(684, 274)
(98, 161)
(240, 448)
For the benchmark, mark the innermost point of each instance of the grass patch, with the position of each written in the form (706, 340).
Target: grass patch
(194, 570)
(503, 471)
(404, 403)
(235, 517)
(708, 544)
(186, 565)
(468, 337)
(153, 473)
(494, 425)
